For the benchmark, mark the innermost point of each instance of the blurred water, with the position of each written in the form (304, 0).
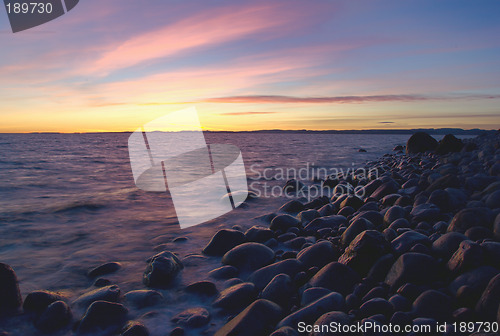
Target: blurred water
(68, 203)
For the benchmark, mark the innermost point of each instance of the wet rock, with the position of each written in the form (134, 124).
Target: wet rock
(107, 268)
(352, 201)
(134, 328)
(387, 188)
(433, 304)
(337, 277)
(469, 255)
(249, 256)
(237, 296)
(108, 293)
(10, 297)
(263, 276)
(179, 331)
(355, 228)
(407, 240)
(292, 186)
(204, 288)
(394, 213)
(285, 331)
(142, 298)
(318, 254)
(376, 306)
(412, 267)
(292, 206)
(280, 290)
(286, 237)
(470, 217)
(307, 216)
(488, 304)
(420, 142)
(38, 301)
(224, 272)
(283, 223)
(332, 318)
(332, 222)
(162, 270)
(102, 282)
(192, 317)
(258, 234)
(312, 294)
(477, 279)
(267, 314)
(449, 144)
(310, 313)
(102, 315)
(223, 241)
(231, 282)
(446, 245)
(56, 316)
(364, 251)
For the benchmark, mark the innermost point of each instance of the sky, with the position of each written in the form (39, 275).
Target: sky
(115, 65)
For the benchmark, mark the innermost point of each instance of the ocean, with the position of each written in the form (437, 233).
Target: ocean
(69, 203)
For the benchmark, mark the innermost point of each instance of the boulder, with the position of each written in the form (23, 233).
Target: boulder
(142, 298)
(257, 234)
(420, 142)
(393, 213)
(355, 228)
(318, 254)
(469, 255)
(446, 245)
(413, 267)
(332, 318)
(407, 240)
(376, 306)
(38, 301)
(477, 279)
(283, 223)
(449, 144)
(488, 304)
(336, 277)
(135, 328)
(161, 270)
(263, 276)
(249, 256)
(106, 268)
(279, 290)
(292, 206)
(237, 296)
(107, 293)
(332, 222)
(102, 315)
(364, 251)
(56, 316)
(10, 297)
(192, 317)
(223, 241)
(470, 217)
(224, 272)
(203, 288)
(258, 319)
(433, 304)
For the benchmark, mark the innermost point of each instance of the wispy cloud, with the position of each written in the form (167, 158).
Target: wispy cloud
(342, 99)
(386, 122)
(246, 113)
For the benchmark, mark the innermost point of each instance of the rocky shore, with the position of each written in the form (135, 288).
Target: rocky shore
(418, 244)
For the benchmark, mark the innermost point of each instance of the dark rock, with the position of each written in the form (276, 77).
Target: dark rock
(223, 241)
(491, 251)
(387, 188)
(205, 288)
(337, 318)
(311, 312)
(292, 206)
(108, 293)
(400, 223)
(231, 282)
(179, 331)
(381, 267)
(425, 212)
(285, 331)
(292, 186)
(398, 148)
(249, 256)
(134, 328)
(407, 240)
(258, 234)
(237, 296)
(376, 306)
(488, 304)
(412, 267)
(464, 315)
(264, 275)
(10, 297)
(332, 222)
(283, 223)
(389, 234)
(102, 282)
(364, 251)
(142, 298)
(102, 315)
(279, 290)
(400, 303)
(446, 245)
(346, 211)
(469, 255)
(162, 270)
(496, 227)
(56, 316)
(286, 237)
(449, 144)
(410, 291)
(433, 304)
(107, 268)
(470, 217)
(312, 294)
(267, 314)
(375, 292)
(318, 254)
(192, 317)
(394, 213)
(308, 215)
(444, 182)
(336, 277)
(441, 199)
(420, 142)
(224, 272)
(295, 243)
(354, 229)
(493, 200)
(352, 201)
(38, 301)
(373, 216)
(401, 319)
(477, 279)
(478, 233)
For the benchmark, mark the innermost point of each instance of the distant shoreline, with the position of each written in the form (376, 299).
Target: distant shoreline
(433, 131)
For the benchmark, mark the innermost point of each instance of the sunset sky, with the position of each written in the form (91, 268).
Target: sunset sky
(114, 65)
